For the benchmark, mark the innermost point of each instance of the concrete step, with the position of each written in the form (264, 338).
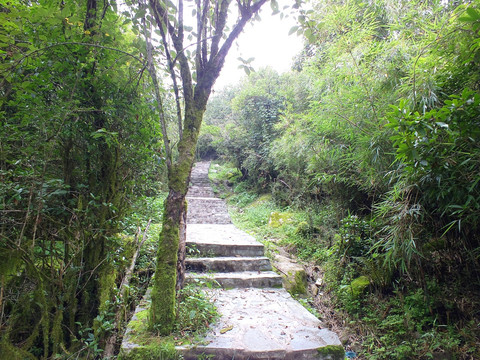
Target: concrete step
(200, 191)
(244, 279)
(199, 181)
(215, 249)
(221, 240)
(228, 264)
(258, 318)
(206, 210)
(264, 324)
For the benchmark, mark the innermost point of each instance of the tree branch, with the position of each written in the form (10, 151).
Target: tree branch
(111, 341)
(247, 11)
(75, 43)
(220, 21)
(153, 75)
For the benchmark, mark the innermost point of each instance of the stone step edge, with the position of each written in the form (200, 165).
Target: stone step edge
(228, 264)
(326, 352)
(235, 274)
(240, 243)
(227, 258)
(215, 199)
(226, 250)
(244, 279)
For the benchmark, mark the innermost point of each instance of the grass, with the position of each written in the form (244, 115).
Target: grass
(387, 319)
(195, 312)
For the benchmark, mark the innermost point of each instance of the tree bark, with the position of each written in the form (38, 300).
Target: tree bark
(182, 249)
(165, 284)
(162, 310)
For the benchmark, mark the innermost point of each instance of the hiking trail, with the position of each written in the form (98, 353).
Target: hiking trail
(258, 318)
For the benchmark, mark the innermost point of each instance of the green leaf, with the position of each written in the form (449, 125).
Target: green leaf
(274, 6)
(309, 35)
(293, 30)
(473, 13)
(140, 14)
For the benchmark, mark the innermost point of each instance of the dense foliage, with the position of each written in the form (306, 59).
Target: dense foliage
(370, 145)
(78, 144)
(377, 127)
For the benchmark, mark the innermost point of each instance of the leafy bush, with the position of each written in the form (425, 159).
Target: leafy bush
(441, 153)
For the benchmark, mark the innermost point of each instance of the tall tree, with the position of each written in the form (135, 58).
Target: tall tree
(196, 71)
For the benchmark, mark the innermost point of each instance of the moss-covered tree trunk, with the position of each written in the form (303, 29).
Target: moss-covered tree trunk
(164, 289)
(182, 249)
(209, 59)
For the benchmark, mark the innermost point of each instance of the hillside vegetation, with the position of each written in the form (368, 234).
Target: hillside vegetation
(372, 143)
(369, 147)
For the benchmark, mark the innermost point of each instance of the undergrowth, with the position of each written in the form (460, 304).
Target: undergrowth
(386, 314)
(195, 312)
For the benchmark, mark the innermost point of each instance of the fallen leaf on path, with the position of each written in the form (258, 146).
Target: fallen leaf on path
(225, 329)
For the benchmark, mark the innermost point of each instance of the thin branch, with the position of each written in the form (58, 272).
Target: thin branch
(171, 67)
(202, 35)
(140, 75)
(15, 64)
(112, 340)
(247, 12)
(370, 97)
(422, 51)
(153, 75)
(220, 22)
(351, 123)
(198, 59)
(161, 18)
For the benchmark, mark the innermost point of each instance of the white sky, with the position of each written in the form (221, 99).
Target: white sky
(267, 41)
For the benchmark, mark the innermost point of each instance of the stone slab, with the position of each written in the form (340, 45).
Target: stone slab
(228, 264)
(202, 210)
(293, 274)
(264, 324)
(244, 279)
(221, 240)
(222, 234)
(200, 191)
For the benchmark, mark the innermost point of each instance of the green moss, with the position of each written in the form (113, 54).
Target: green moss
(140, 324)
(148, 344)
(331, 352)
(10, 261)
(299, 284)
(162, 309)
(178, 176)
(163, 299)
(358, 285)
(152, 351)
(278, 219)
(57, 335)
(302, 228)
(107, 285)
(263, 199)
(8, 351)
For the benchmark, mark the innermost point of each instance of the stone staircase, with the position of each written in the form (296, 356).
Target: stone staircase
(259, 319)
(222, 253)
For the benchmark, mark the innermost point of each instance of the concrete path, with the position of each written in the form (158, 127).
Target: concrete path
(259, 319)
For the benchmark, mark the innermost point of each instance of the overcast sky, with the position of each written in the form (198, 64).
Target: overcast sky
(267, 41)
